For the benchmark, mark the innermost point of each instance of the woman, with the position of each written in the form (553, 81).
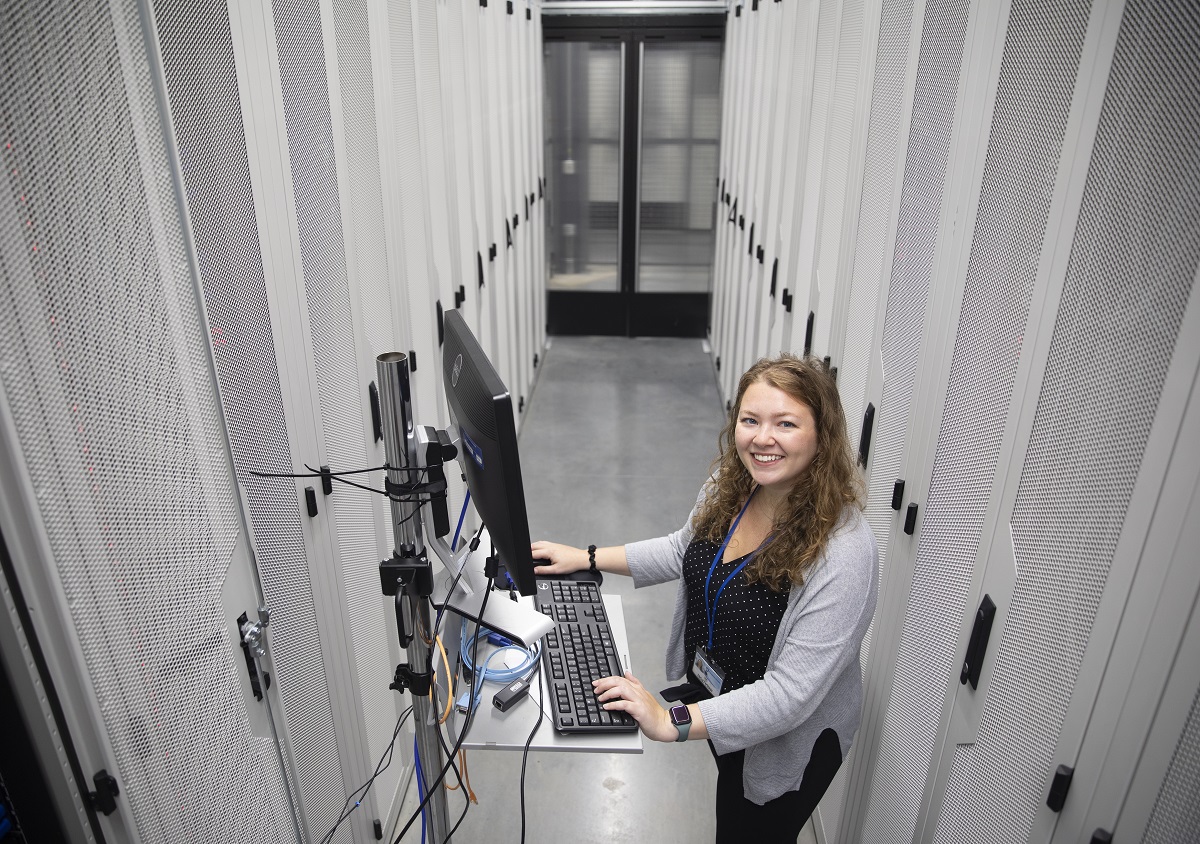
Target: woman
(777, 571)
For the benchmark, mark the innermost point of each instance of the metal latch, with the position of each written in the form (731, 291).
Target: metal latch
(252, 632)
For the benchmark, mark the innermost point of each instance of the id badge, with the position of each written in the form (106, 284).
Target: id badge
(707, 672)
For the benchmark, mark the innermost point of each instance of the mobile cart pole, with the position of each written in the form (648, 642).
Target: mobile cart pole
(407, 575)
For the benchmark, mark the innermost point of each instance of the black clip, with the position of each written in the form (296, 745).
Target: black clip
(104, 798)
(326, 481)
(898, 494)
(406, 679)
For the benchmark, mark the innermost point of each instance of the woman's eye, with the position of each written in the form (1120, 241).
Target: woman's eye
(786, 424)
(746, 420)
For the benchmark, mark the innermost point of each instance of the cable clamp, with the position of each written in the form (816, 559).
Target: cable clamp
(412, 574)
(408, 680)
(405, 490)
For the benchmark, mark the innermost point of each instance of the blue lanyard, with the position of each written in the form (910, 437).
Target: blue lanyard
(711, 610)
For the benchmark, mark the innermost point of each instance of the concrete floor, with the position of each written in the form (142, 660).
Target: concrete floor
(619, 436)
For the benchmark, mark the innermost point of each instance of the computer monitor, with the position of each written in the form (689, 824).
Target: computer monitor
(481, 408)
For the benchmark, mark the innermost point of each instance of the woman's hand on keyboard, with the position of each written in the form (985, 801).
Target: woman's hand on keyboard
(627, 694)
(559, 559)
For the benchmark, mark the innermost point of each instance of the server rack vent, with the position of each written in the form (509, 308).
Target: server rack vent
(367, 243)
(875, 209)
(1176, 813)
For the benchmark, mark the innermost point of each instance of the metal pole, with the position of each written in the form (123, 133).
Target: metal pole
(395, 398)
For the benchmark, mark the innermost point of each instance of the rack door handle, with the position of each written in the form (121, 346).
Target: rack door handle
(977, 647)
(864, 438)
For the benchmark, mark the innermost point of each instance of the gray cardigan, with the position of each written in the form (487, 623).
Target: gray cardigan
(813, 680)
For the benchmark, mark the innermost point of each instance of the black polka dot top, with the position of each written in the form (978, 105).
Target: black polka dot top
(746, 621)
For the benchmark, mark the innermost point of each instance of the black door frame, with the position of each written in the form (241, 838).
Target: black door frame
(626, 312)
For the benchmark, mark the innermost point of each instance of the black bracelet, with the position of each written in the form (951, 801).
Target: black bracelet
(592, 560)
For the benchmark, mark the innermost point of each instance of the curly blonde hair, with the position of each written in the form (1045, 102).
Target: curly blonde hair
(816, 503)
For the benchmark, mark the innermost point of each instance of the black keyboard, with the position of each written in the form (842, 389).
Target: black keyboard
(579, 650)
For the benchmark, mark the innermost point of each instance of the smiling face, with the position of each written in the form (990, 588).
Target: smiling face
(775, 437)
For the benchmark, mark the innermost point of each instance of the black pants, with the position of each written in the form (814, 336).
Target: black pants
(779, 820)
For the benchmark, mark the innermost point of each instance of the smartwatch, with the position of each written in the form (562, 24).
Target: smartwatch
(682, 719)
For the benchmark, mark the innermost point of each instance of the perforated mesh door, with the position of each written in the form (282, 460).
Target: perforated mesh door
(806, 231)
(338, 378)
(1034, 91)
(904, 753)
(103, 363)
(367, 245)
(875, 208)
(843, 105)
(202, 85)
(1176, 813)
(451, 37)
(1133, 261)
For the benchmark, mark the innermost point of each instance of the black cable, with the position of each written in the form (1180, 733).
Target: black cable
(316, 474)
(431, 788)
(384, 493)
(458, 823)
(382, 766)
(529, 741)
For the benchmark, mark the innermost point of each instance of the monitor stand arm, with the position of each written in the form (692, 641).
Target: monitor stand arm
(518, 621)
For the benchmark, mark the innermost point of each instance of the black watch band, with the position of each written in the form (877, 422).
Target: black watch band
(592, 560)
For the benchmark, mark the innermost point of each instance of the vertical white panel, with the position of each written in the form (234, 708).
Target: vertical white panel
(844, 101)
(807, 226)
